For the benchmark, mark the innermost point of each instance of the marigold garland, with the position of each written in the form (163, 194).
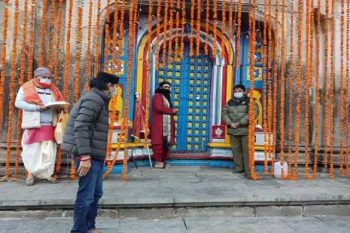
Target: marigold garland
(170, 33)
(347, 74)
(238, 35)
(88, 49)
(325, 87)
(183, 22)
(3, 61)
(198, 30)
(274, 93)
(341, 94)
(12, 88)
(78, 48)
(107, 38)
(20, 83)
(156, 59)
(215, 24)
(317, 88)
(193, 3)
(207, 26)
(223, 25)
(177, 26)
(58, 41)
(147, 95)
(265, 80)
(282, 87)
(67, 52)
(269, 86)
(31, 40)
(43, 33)
(331, 94)
(165, 31)
(51, 34)
(121, 31)
(96, 59)
(307, 78)
(231, 24)
(251, 128)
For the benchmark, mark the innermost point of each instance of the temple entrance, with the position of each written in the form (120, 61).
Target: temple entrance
(191, 91)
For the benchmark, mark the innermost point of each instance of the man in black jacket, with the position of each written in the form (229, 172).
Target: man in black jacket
(85, 137)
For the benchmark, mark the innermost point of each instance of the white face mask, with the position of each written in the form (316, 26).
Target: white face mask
(45, 80)
(238, 95)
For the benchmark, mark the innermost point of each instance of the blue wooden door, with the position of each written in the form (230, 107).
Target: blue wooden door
(191, 87)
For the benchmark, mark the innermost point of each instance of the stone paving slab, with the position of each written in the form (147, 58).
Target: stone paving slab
(317, 224)
(182, 187)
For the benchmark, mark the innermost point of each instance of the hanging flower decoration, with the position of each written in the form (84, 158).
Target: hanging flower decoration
(156, 59)
(223, 25)
(43, 33)
(67, 53)
(12, 89)
(20, 83)
(58, 42)
(97, 39)
(198, 30)
(207, 11)
(88, 50)
(78, 48)
(341, 94)
(3, 59)
(215, 24)
(193, 3)
(317, 88)
(51, 35)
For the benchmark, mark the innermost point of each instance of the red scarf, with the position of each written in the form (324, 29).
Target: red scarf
(31, 96)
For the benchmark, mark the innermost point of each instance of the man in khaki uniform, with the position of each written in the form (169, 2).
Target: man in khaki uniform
(235, 116)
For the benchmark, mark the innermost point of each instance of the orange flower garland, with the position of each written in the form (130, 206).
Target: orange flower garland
(298, 90)
(88, 49)
(191, 26)
(317, 88)
(198, 37)
(251, 128)
(96, 59)
(12, 88)
(215, 24)
(223, 25)
(341, 95)
(331, 94)
(58, 41)
(107, 38)
(265, 80)
(20, 83)
(51, 35)
(238, 35)
(31, 40)
(231, 24)
(67, 52)
(177, 26)
(290, 88)
(165, 31)
(183, 22)
(347, 85)
(307, 86)
(42, 33)
(170, 33)
(3, 60)
(207, 26)
(156, 59)
(78, 43)
(325, 87)
(282, 87)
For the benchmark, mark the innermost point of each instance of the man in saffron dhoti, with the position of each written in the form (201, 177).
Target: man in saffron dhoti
(38, 143)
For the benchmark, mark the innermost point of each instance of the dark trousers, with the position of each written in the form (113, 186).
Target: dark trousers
(239, 146)
(88, 195)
